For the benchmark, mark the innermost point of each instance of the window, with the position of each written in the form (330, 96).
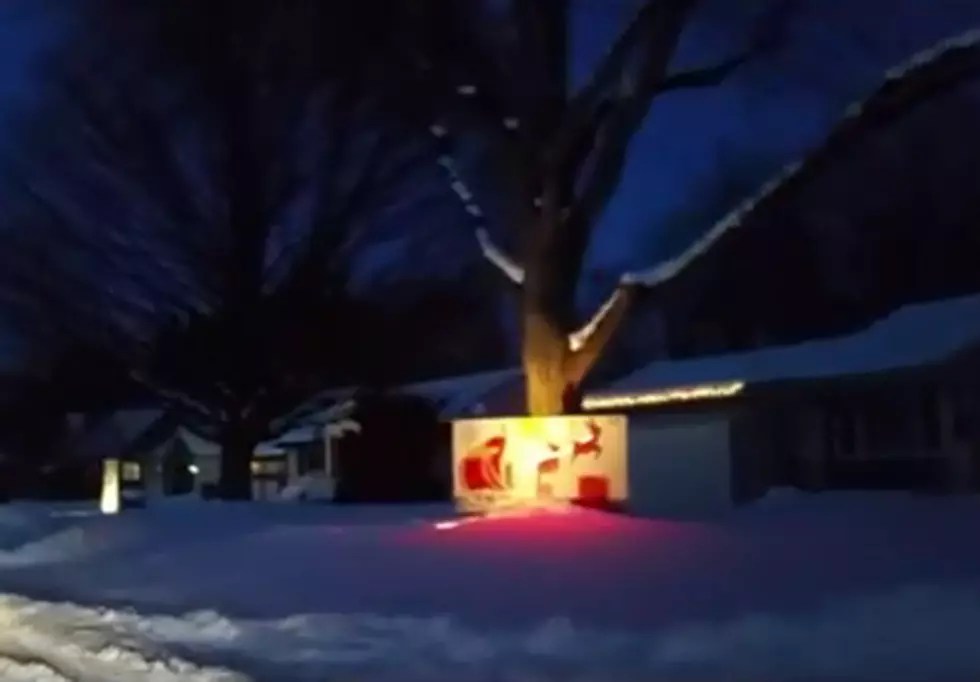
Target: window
(906, 424)
(131, 471)
(309, 458)
(268, 467)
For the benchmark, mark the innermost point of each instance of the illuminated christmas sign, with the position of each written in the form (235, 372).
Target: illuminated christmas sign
(532, 461)
(663, 397)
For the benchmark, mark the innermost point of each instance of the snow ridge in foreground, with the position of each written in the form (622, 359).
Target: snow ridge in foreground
(912, 634)
(41, 642)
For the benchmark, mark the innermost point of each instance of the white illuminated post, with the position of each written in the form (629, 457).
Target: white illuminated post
(110, 501)
(327, 452)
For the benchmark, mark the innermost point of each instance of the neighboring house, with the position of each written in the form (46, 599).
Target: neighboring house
(273, 467)
(894, 405)
(315, 439)
(485, 394)
(310, 443)
(137, 438)
(159, 456)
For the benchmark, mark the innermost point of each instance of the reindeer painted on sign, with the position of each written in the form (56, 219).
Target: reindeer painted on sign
(549, 469)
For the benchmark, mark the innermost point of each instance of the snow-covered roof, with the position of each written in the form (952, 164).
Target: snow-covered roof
(310, 427)
(300, 435)
(205, 447)
(114, 434)
(454, 397)
(319, 410)
(462, 395)
(914, 335)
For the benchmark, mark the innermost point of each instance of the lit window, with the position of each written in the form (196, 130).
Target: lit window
(268, 467)
(131, 471)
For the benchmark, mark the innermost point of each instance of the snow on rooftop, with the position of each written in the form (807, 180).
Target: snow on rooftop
(300, 435)
(458, 396)
(113, 434)
(318, 409)
(200, 446)
(914, 335)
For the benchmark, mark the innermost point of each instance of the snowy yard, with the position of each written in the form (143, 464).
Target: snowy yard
(841, 586)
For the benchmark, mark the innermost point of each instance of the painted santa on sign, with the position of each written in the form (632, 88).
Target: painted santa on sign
(556, 459)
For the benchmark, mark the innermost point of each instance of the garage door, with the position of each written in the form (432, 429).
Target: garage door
(679, 467)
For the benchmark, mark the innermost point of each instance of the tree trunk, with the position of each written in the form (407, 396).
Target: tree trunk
(237, 446)
(544, 355)
(554, 366)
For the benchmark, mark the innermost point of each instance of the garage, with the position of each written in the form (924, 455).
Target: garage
(680, 465)
(688, 455)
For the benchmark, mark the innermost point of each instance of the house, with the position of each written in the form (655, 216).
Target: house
(152, 454)
(891, 406)
(130, 444)
(274, 465)
(320, 436)
(311, 444)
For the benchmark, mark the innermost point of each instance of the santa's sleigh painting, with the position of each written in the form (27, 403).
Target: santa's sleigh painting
(516, 461)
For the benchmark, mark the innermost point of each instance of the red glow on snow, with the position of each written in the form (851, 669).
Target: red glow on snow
(445, 525)
(539, 533)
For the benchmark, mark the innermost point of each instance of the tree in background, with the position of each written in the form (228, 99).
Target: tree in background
(194, 192)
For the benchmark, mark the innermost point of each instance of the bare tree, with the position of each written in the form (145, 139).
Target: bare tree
(193, 190)
(564, 152)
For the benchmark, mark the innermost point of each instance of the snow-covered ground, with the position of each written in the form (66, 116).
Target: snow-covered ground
(839, 586)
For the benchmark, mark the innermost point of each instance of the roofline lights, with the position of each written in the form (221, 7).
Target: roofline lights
(664, 397)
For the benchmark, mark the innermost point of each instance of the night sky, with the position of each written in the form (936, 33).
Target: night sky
(838, 50)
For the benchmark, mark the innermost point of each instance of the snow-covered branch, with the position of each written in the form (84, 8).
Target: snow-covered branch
(927, 73)
(177, 399)
(578, 338)
(493, 253)
(586, 344)
(511, 269)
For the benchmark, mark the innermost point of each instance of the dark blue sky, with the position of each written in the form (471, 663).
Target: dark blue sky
(769, 108)
(838, 51)
(23, 33)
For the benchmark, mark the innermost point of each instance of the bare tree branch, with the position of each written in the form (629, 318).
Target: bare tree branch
(507, 265)
(947, 65)
(705, 76)
(195, 210)
(586, 344)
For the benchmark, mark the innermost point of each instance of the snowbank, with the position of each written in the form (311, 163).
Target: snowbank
(874, 637)
(820, 587)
